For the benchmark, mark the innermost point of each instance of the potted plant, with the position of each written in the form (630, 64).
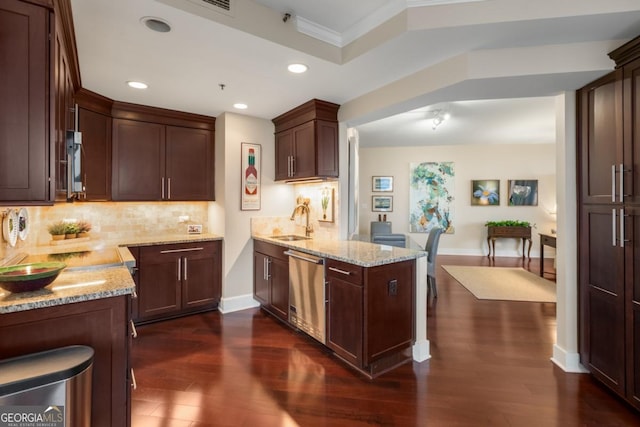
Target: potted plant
(71, 230)
(57, 230)
(84, 227)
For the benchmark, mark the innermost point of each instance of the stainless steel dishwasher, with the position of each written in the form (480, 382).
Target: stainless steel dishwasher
(306, 294)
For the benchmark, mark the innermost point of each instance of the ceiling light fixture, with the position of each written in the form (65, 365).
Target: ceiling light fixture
(297, 68)
(137, 85)
(438, 117)
(240, 106)
(156, 24)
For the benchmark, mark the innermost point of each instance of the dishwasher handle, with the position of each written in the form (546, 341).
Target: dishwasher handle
(310, 259)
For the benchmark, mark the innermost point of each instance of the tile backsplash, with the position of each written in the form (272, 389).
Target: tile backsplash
(112, 221)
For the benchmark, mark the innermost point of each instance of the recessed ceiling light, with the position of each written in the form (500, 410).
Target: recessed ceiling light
(137, 85)
(297, 68)
(156, 24)
(240, 106)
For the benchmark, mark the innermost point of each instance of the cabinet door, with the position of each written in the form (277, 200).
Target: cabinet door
(632, 132)
(602, 309)
(189, 168)
(600, 138)
(327, 140)
(138, 160)
(160, 287)
(632, 279)
(260, 279)
(279, 287)
(96, 154)
(344, 319)
(283, 152)
(24, 104)
(200, 272)
(304, 152)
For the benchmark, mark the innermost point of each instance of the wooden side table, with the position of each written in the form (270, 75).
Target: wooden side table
(523, 233)
(549, 240)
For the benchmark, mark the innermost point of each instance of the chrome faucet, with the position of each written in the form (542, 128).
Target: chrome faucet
(304, 207)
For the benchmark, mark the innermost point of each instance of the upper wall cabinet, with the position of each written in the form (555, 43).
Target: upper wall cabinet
(306, 142)
(24, 103)
(161, 154)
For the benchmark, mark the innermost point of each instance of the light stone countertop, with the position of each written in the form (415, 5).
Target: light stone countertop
(70, 287)
(364, 254)
(93, 283)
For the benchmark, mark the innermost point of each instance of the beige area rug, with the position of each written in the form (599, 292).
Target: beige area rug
(503, 283)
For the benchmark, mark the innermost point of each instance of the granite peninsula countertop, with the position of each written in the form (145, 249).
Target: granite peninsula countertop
(78, 285)
(364, 254)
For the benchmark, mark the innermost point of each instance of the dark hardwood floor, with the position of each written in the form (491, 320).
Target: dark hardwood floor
(489, 367)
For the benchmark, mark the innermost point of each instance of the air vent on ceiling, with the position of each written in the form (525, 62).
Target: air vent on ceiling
(222, 6)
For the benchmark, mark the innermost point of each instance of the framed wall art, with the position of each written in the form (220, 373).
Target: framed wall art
(523, 192)
(382, 203)
(382, 183)
(431, 197)
(485, 192)
(327, 197)
(250, 170)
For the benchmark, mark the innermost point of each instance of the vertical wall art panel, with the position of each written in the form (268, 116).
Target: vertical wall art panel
(431, 197)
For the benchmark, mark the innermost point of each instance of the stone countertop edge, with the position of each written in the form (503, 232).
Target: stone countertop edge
(170, 239)
(364, 254)
(71, 287)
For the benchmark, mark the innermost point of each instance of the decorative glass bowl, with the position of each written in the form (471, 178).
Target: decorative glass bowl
(29, 277)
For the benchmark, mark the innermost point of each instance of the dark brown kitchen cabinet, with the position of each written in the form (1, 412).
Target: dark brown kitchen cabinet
(370, 314)
(306, 142)
(609, 225)
(95, 124)
(154, 161)
(178, 279)
(271, 278)
(102, 324)
(25, 104)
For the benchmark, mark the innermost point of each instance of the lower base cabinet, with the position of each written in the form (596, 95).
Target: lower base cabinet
(102, 324)
(370, 312)
(177, 279)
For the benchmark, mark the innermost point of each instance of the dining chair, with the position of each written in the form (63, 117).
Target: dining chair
(432, 252)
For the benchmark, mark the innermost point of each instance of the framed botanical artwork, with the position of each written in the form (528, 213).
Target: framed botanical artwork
(382, 183)
(523, 192)
(382, 203)
(485, 192)
(250, 172)
(327, 196)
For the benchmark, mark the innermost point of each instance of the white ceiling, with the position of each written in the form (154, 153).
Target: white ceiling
(358, 47)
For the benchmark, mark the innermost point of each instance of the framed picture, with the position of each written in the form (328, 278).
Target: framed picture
(327, 197)
(523, 192)
(485, 192)
(382, 203)
(382, 183)
(250, 171)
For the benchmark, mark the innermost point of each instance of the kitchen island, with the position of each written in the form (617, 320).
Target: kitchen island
(375, 297)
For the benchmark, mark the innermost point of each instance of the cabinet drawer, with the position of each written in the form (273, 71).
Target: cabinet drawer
(344, 271)
(162, 253)
(269, 249)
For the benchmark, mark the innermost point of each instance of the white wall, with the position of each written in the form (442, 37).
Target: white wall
(471, 162)
(277, 199)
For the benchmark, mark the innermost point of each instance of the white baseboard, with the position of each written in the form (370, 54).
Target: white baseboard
(568, 362)
(242, 302)
(421, 351)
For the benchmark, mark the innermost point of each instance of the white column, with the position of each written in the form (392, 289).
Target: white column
(421, 346)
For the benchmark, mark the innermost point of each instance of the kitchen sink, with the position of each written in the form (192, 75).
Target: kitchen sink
(290, 237)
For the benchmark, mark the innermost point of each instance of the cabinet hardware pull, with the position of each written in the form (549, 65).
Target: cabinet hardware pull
(134, 333)
(293, 166)
(179, 265)
(185, 268)
(613, 226)
(613, 183)
(289, 166)
(304, 258)
(134, 384)
(268, 268)
(169, 188)
(621, 182)
(264, 268)
(622, 240)
(162, 197)
(337, 270)
(172, 251)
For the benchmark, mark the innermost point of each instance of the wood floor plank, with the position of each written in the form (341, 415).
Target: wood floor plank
(490, 366)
